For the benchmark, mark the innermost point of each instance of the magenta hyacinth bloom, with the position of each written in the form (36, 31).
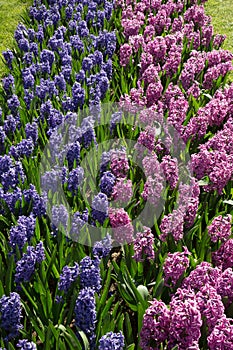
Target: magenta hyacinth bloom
(185, 320)
(125, 54)
(203, 274)
(223, 257)
(122, 191)
(210, 305)
(220, 228)
(143, 245)
(119, 164)
(170, 168)
(155, 328)
(121, 225)
(172, 223)
(222, 335)
(175, 265)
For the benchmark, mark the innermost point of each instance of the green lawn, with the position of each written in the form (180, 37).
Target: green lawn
(10, 12)
(221, 12)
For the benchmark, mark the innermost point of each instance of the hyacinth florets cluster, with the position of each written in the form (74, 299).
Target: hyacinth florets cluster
(220, 228)
(111, 341)
(68, 276)
(25, 267)
(11, 314)
(24, 344)
(90, 273)
(121, 224)
(175, 265)
(156, 323)
(85, 313)
(144, 245)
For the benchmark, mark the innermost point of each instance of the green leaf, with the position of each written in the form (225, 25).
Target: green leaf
(205, 181)
(9, 273)
(128, 329)
(131, 347)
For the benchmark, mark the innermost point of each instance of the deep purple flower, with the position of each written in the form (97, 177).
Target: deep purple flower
(60, 82)
(77, 43)
(28, 97)
(29, 222)
(112, 341)
(100, 207)
(24, 344)
(11, 198)
(11, 314)
(78, 94)
(80, 76)
(68, 276)
(102, 248)
(75, 179)
(73, 154)
(25, 267)
(102, 83)
(107, 67)
(8, 83)
(13, 104)
(85, 314)
(107, 182)
(13, 176)
(23, 44)
(38, 202)
(28, 78)
(90, 273)
(31, 130)
(23, 148)
(88, 133)
(10, 124)
(8, 56)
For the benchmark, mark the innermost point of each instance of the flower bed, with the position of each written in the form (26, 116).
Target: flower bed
(116, 175)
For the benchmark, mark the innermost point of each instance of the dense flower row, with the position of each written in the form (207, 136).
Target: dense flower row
(65, 61)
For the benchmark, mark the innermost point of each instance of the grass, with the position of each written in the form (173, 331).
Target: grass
(10, 14)
(221, 12)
